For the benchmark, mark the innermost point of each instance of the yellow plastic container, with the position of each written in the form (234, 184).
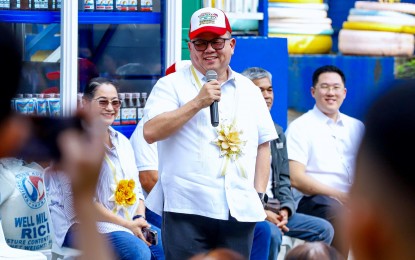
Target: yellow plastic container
(306, 44)
(368, 26)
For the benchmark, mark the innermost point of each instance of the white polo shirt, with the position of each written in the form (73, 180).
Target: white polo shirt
(190, 164)
(327, 148)
(145, 154)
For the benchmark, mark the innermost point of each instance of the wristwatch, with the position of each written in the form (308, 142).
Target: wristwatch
(263, 197)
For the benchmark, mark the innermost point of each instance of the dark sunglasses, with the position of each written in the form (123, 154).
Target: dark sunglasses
(217, 44)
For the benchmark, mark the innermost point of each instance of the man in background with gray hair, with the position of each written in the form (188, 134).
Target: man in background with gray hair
(285, 220)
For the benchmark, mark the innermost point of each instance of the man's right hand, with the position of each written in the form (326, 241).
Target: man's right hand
(209, 93)
(278, 220)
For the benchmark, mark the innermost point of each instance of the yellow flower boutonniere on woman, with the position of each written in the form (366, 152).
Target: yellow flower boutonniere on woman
(123, 194)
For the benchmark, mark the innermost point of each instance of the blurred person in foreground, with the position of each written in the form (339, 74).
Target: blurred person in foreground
(314, 251)
(322, 146)
(382, 209)
(204, 171)
(284, 220)
(82, 153)
(220, 254)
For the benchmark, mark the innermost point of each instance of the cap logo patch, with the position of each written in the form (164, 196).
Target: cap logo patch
(207, 18)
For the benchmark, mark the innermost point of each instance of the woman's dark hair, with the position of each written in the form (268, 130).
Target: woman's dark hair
(94, 83)
(327, 68)
(313, 251)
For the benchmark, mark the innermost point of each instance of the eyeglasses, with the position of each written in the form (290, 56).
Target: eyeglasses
(335, 88)
(103, 103)
(217, 44)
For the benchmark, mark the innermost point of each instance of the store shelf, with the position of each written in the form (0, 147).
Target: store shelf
(47, 17)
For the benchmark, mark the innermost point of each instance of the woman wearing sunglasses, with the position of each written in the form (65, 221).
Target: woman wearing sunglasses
(119, 198)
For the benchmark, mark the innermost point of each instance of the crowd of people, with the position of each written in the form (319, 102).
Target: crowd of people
(231, 191)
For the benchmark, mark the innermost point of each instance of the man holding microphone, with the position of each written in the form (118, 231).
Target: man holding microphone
(211, 178)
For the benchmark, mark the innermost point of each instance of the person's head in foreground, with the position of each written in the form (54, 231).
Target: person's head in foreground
(211, 44)
(382, 208)
(263, 79)
(313, 251)
(219, 254)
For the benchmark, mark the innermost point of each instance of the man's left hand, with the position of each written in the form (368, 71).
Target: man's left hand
(283, 217)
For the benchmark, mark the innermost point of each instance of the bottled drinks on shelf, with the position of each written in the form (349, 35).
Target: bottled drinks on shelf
(104, 5)
(128, 111)
(100, 5)
(143, 99)
(21, 4)
(4, 4)
(117, 120)
(54, 104)
(84, 5)
(24, 104)
(89, 5)
(142, 103)
(137, 105)
(110, 5)
(31, 4)
(42, 5)
(121, 5)
(126, 5)
(132, 5)
(146, 6)
(39, 104)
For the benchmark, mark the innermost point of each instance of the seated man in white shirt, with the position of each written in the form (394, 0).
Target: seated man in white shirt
(322, 145)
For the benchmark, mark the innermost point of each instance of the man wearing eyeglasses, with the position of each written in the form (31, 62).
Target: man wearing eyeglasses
(212, 178)
(322, 146)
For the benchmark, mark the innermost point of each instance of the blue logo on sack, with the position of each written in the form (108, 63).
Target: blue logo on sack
(32, 188)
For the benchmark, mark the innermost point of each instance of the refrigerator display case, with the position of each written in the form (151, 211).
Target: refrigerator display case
(64, 48)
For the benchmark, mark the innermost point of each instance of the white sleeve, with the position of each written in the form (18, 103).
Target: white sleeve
(297, 144)
(146, 156)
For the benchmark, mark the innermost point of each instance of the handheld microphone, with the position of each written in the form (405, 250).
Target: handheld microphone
(214, 114)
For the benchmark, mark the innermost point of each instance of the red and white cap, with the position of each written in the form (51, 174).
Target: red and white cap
(208, 20)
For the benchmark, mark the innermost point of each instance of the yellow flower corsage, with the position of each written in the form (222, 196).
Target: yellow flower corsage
(229, 143)
(124, 195)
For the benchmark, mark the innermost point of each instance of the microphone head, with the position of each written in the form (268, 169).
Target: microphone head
(211, 75)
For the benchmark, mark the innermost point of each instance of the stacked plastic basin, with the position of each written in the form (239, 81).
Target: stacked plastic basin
(378, 29)
(304, 23)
